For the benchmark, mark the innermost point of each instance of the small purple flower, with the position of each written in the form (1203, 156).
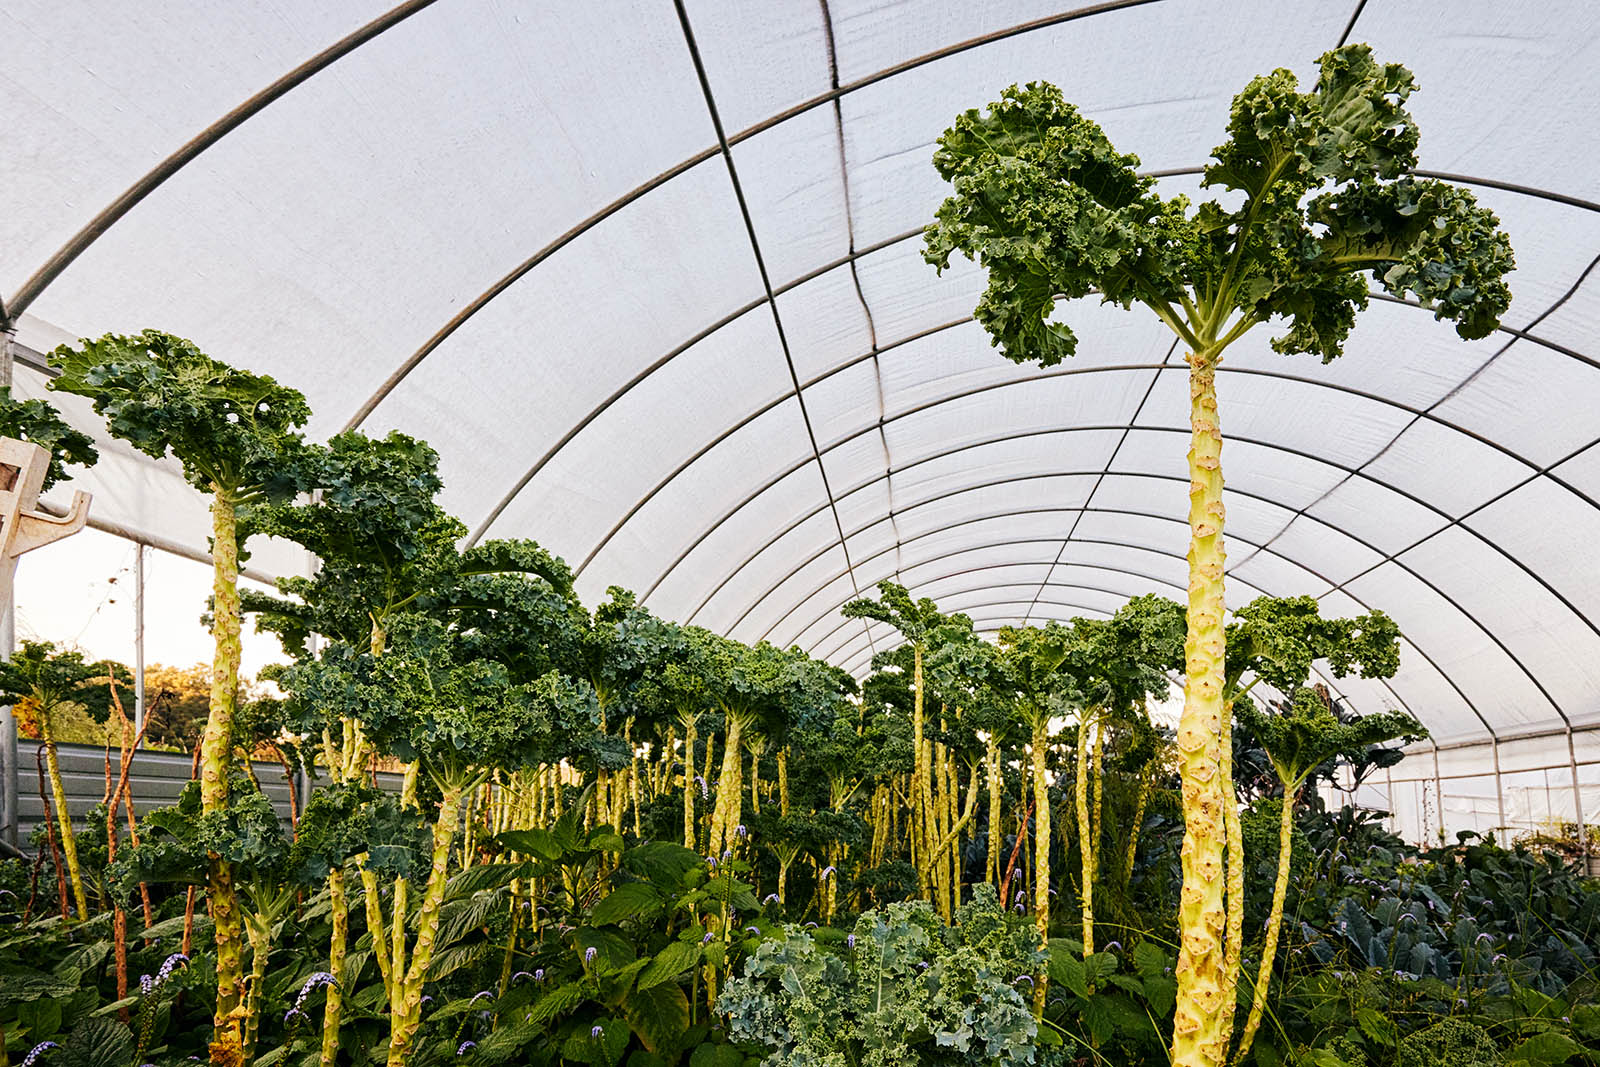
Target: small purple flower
(922, 965)
(704, 790)
(425, 999)
(167, 967)
(1017, 896)
(465, 1047)
(482, 994)
(147, 984)
(753, 930)
(811, 926)
(321, 978)
(38, 1050)
(288, 1016)
(519, 976)
(1023, 978)
(590, 953)
(711, 861)
(538, 974)
(727, 854)
(1021, 909)
(1113, 945)
(1501, 956)
(706, 940)
(770, 898)
(825, 872)
(596, 1031)
(1484, 937)
(741, 831)
(850, 941)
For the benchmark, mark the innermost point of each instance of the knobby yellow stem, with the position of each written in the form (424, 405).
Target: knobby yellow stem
(992, 766)
(688, 782)
(406, 1014)
(1041, 852)
(1202, 1018)
(338, 907)
(227, 1043)
(58, 792)
(1269, 949)
(1085, 836)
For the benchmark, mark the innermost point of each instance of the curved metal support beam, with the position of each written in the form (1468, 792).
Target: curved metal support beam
(112, 212)
(848, 260)
(1175, 556)
(1450, 522)
(1417, 413)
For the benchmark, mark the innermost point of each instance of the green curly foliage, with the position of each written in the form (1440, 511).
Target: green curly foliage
(1278, 639)
(914, 619)
(230, 429)
(1052, 211)
(52, 676)
(431, 697)
(910, 990)
(38, 423)
(1449, 1043)
(347, 819)
(177, 841)
(1307, 733)
(1116, 664)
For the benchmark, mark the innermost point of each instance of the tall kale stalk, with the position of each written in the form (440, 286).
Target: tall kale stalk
(1052, 211)
(234, 434)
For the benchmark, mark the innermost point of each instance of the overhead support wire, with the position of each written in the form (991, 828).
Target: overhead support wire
(855, 273)
(766, 283)
(154, 178)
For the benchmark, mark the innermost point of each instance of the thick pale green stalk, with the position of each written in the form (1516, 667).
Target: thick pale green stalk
(406, 1015)
(730, 786)
(1137, 825)
(1234, 959)
(216, 759)
(1202, 1020)
(1041, 851)
(783, 781)
(58, 791)
(992, 762)
(259, 931)
(339, 909)
(1269, 949)
(1085, 837)
(688, 782)
(921, 785)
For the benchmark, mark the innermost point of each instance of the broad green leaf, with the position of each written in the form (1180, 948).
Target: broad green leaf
(483, 876)
(659, 1015)
(96, 1042)
(626, 902)
(1549, 1047)
(670, 962)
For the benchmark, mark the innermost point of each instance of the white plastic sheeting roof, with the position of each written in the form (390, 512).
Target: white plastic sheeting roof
(648, 277)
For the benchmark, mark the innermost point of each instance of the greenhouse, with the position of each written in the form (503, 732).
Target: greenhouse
(801, 534)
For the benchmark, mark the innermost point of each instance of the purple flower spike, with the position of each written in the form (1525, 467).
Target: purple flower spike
(147, 984)
(289, 1015)
(811, 926)
(706, 940)
(704, 791)
(538, 974)
(482, 994)
(519, 976)
(590, 953)
(740, 831)
(1023, 978)
(465, 1047)
(850, 942)
(321, 978)
(1113, 945)
(38, 1050)
(770, 898)
(753, 930)
(922, 965)
(425, 999)
(167, 967)
(596, 1031)
(825, 872)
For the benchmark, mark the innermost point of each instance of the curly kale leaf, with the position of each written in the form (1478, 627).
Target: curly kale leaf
(230, 429)
(38, 423)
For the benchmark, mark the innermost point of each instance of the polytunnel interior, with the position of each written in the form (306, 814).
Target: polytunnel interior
(649, 277)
